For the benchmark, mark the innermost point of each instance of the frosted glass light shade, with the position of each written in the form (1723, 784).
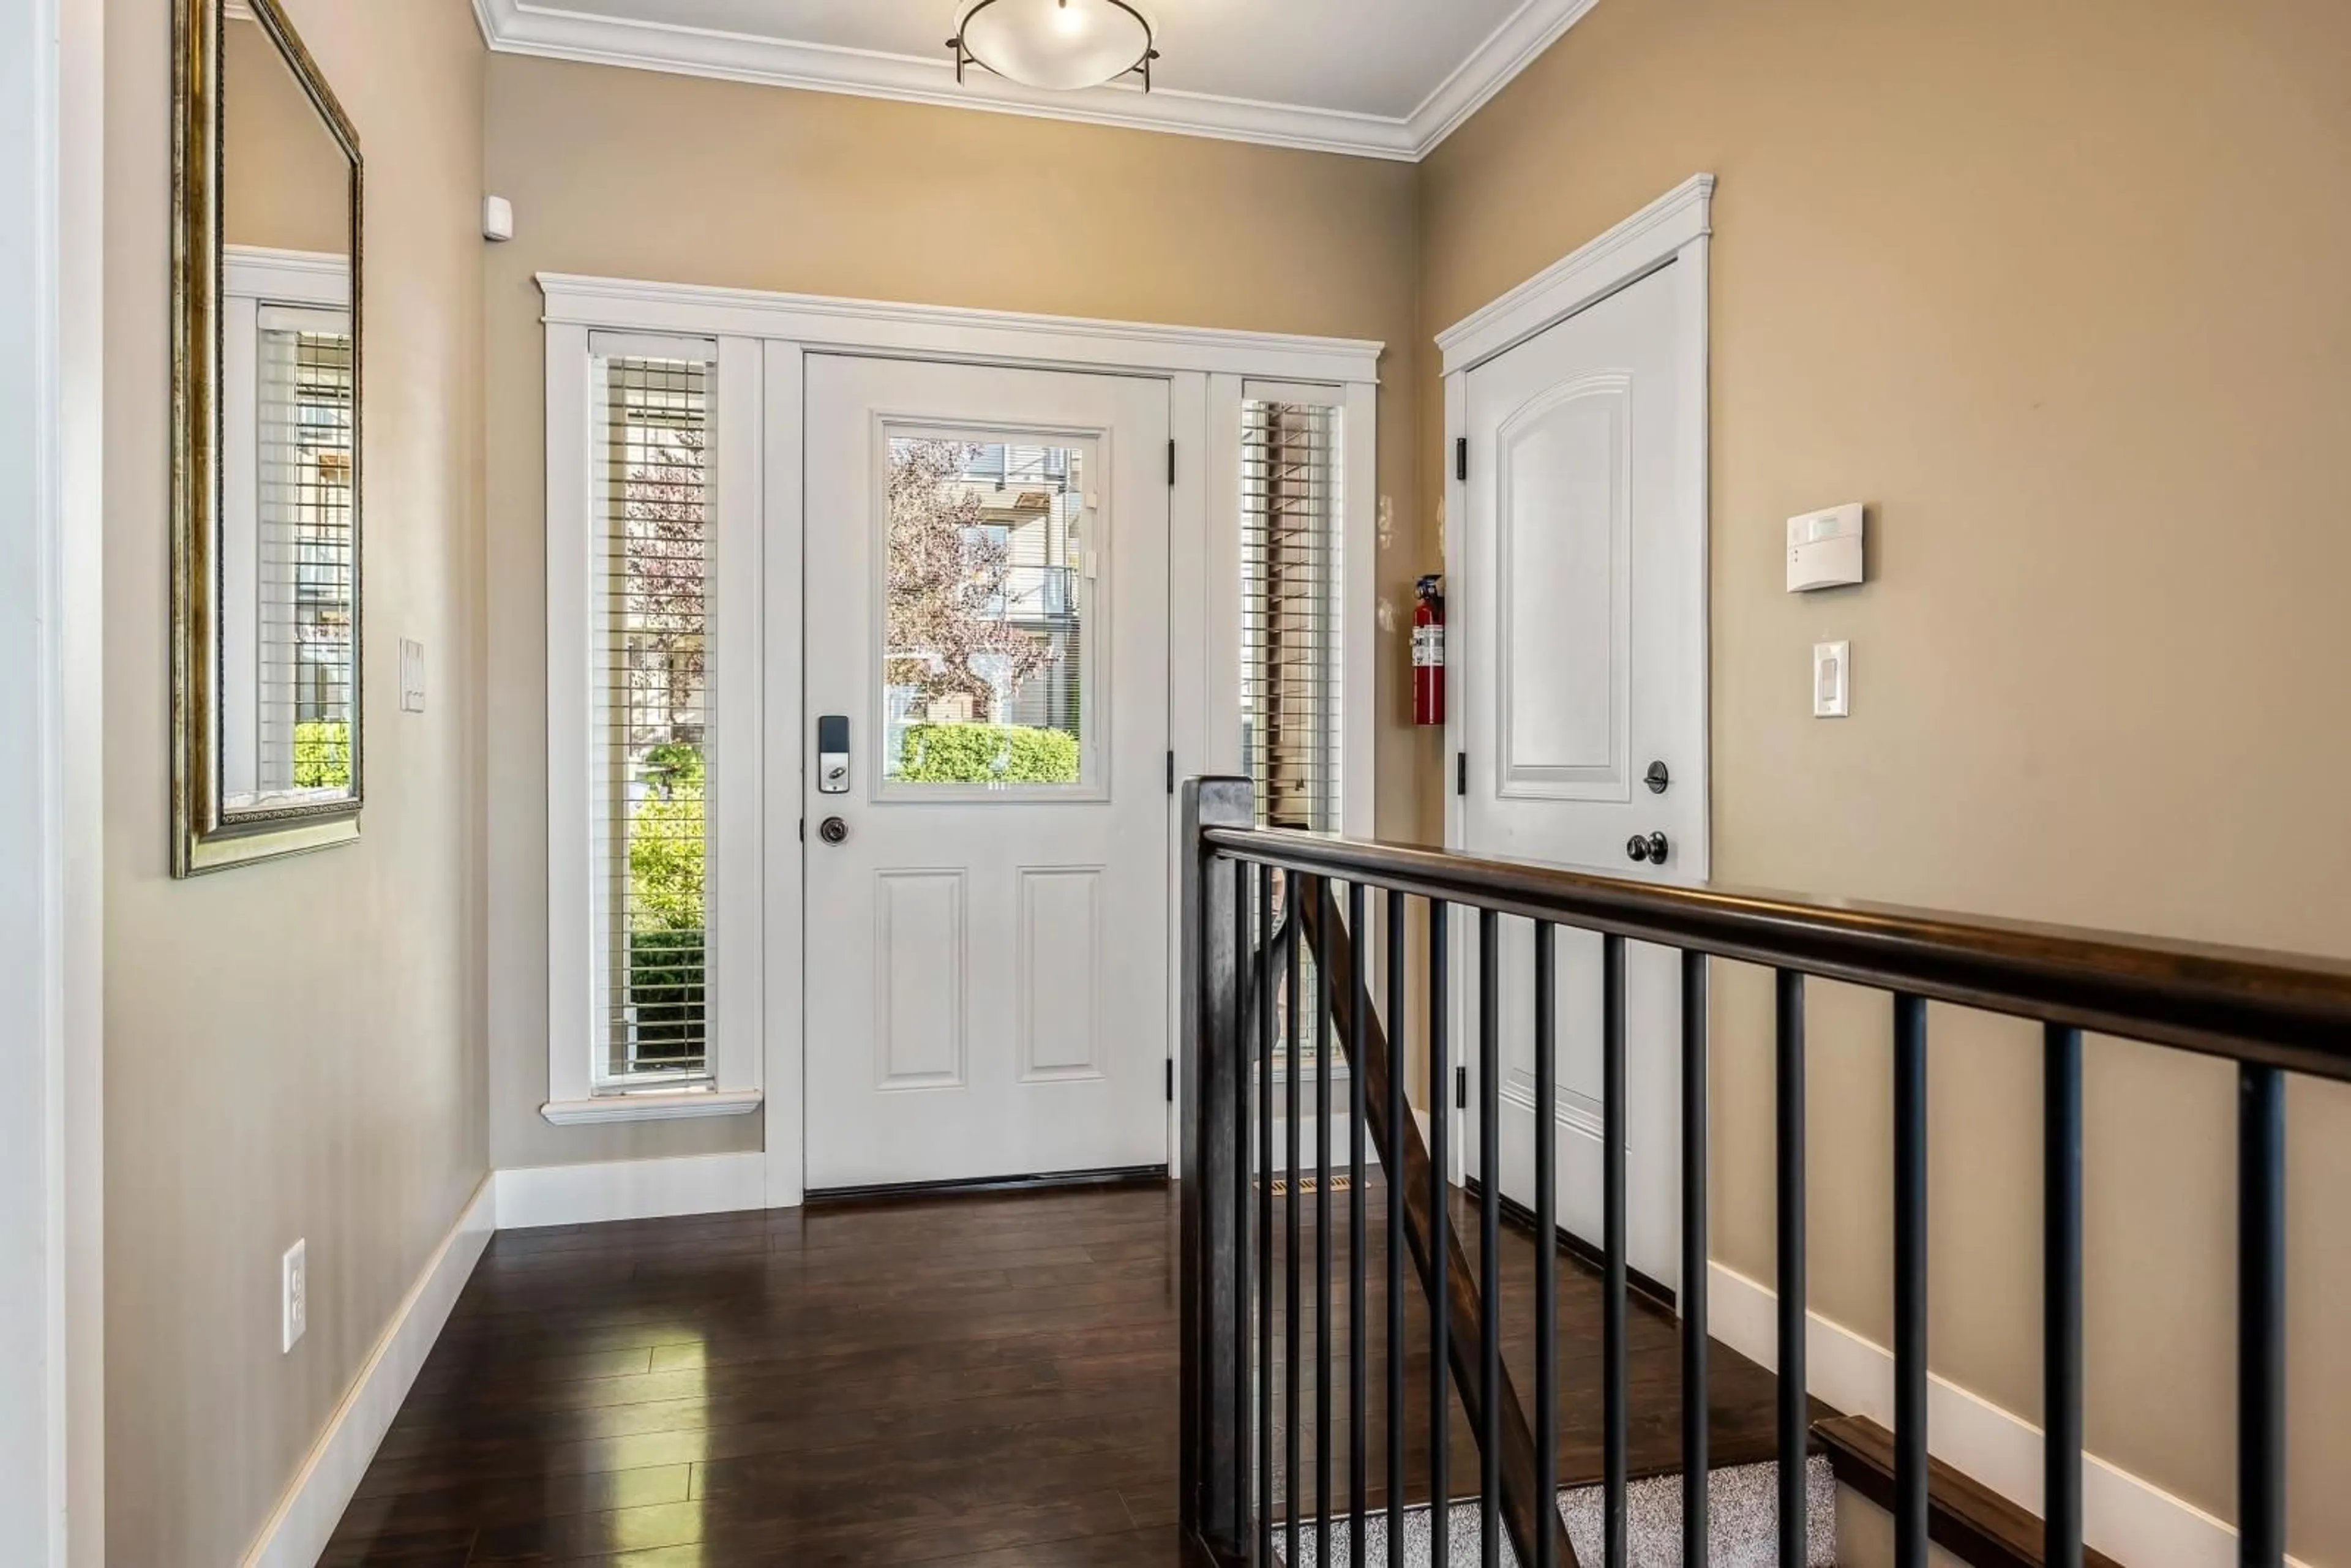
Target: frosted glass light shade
(1056, 44)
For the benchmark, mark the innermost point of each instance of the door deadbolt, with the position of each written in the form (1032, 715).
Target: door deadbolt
(832, 755)
(833, 830)
(1651, 849)
(1656, 777)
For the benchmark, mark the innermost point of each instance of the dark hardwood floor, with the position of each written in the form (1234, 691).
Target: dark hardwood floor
(964, 1381)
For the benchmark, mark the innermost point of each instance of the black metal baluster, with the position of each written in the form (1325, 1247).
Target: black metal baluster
(1490, 1237)
(2260, 1317)
(2061, 1305)
(1616, 1400)
(1295, 902)
(1358, 1411)
(1324, 1041)
(1440, 1113)
(1794, 1525)
(1265, 1215)
(1397, 1113)
(1910, 1282)
(1695, 1464)
(1243, 947)
(1546, 1229)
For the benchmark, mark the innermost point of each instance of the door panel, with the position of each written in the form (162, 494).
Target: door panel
(1584, 662)
(1563, 575)
(986, 611)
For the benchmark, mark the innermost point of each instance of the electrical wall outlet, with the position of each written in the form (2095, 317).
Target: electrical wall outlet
(294, 1292)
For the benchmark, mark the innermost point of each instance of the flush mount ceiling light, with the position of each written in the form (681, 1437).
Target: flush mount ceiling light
(1058, 44)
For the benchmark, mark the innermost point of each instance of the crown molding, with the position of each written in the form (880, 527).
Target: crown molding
(1507, 50)
(530, 27)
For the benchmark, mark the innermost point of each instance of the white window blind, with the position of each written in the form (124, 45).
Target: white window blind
(1292, 577)
(1290, 580)
(304, 566)
(652, 741)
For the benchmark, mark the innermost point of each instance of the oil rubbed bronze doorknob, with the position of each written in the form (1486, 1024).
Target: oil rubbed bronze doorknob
(1651, 849)
(833, 830)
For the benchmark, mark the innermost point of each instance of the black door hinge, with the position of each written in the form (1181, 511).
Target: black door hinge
(1171, 773)
(1462, 773)
(1171, 1080)
(1171, 462)
(1461, 458)
(1461, 1088)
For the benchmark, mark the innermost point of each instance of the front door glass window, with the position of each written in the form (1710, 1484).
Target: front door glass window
(986, 595)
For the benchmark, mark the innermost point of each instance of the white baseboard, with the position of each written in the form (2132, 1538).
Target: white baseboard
(631, 1189)
(313, 1503)
(1342, 1143)
(2128, 1518)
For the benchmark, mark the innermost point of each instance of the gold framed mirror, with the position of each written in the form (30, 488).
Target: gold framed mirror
(266, 416)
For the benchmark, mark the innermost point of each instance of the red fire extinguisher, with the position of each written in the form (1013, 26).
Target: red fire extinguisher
(1428, 652)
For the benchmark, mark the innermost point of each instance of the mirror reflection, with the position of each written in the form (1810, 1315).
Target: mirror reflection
(285, 553)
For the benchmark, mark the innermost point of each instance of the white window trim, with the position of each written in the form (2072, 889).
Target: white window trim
(1359, 505)
(576, 938)
(317, 278)
(1206, 369)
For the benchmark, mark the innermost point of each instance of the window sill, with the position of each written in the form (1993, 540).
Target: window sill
(653, 1106)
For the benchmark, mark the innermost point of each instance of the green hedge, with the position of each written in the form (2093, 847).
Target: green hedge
(666, 860)
(322, 754)
(668, 950)
(666, 986)
(987, 753)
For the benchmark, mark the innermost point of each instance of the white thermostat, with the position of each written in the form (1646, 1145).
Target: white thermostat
(1825, 549)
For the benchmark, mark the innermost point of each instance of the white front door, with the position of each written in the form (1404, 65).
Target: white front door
(1582, 637)
(986, 644)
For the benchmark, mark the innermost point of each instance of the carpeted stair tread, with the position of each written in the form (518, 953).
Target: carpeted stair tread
(1742, 1524)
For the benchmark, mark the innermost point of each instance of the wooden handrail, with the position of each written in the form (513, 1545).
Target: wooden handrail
(1528, 1498)
(2275, 1010)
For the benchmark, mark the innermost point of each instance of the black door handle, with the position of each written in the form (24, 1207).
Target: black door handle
(1651, 849)
(833, 830)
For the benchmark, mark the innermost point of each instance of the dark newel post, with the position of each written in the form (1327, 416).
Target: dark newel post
(1211, 1077)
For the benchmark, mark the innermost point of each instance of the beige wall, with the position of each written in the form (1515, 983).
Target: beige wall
(631, 174)
(284, 181)
(293, 1050)
(2059, 290)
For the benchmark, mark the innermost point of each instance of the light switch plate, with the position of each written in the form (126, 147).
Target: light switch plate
(294, 1292)
(1832, 680)
(412, 676)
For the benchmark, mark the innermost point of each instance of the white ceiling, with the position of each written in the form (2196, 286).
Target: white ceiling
(1385, 79)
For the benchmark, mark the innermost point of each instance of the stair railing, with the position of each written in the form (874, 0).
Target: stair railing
(1256, 900)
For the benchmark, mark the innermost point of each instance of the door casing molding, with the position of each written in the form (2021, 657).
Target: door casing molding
(1208, 370)
(883, 327)
(52, 798)
(1675, 230)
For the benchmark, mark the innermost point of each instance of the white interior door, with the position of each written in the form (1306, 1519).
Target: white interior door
(1584, 666)
(986, 631)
